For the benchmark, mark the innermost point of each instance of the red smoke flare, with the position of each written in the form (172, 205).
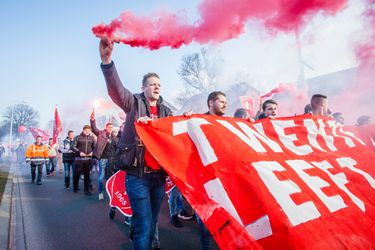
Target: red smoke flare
(220, 20)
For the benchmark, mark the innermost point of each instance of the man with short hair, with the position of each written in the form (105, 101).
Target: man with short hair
(269, 109)
(68, 157)
(217, 103)
(83, 146)
(319, 105)
(37, 155)
(145, 180)
(102, 150)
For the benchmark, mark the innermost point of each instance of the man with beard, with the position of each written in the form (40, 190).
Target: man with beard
(217, 105)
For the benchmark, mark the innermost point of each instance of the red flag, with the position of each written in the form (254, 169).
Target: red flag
(57, 128)
(288, 183)
(118, 197)
(39, 132)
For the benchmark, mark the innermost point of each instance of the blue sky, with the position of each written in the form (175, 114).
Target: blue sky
(50, 56)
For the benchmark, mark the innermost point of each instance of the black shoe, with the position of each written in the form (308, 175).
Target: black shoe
(175, 221)
(38, 183)
(88, 193)
(32, 181)
(184, 215)
(156, 248)
(112, 213)
(131, 233)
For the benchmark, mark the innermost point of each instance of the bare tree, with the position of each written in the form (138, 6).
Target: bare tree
(23, 115)
(198, 73)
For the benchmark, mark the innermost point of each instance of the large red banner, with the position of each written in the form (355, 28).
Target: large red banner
(289, 183)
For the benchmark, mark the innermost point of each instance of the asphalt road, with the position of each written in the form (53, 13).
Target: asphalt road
(50, 217)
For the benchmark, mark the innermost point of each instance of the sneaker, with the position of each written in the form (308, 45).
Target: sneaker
(183, 215)
(88, 193)
(32, 181)
(82, 177)
(48, 175)
(175, 221)
(67, 188)
(38, 183)
(112, 213)
(101, 196)
(127, 220)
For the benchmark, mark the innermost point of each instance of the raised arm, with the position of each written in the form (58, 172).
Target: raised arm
(119, 95)
(94, 129)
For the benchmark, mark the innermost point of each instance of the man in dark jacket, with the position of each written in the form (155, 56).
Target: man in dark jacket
(83, 146)
(68, 157)
(101, 150)
(145, 181)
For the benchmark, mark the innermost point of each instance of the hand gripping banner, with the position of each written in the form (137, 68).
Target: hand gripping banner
(290, 183)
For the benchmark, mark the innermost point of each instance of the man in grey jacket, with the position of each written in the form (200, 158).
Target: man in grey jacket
(145, 180)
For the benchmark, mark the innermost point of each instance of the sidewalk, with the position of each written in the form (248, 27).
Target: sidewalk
(6, 208)
(50, 217)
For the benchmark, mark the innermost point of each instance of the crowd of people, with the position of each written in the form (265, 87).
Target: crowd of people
(113, 150)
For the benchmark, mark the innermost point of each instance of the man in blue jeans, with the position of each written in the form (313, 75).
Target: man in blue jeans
(102, 150)
(68, 156)
(145, 180)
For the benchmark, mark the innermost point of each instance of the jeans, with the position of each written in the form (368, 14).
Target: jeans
(102, 166)
(84, 166)
(205, 235)
(175, 202)
(33, 170)
(52, 162)
(67, 167)
(145, 196)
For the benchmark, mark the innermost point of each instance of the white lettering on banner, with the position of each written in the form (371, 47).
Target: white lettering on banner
(281, 191)
(334, 125)
(288, 140)
(316, 184)
(250, 137)
(351, 135)
(313, 131)
(260, 229)
(192, 127)
(340, 180)
(349, 163)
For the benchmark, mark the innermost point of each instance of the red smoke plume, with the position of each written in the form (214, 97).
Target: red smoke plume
(219, 20)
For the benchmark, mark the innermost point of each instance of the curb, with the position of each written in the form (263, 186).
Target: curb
(6, 211)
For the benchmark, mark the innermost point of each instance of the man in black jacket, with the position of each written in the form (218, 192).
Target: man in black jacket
(83, 146)
(101, 150)
(68, 156)
(145, 181)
